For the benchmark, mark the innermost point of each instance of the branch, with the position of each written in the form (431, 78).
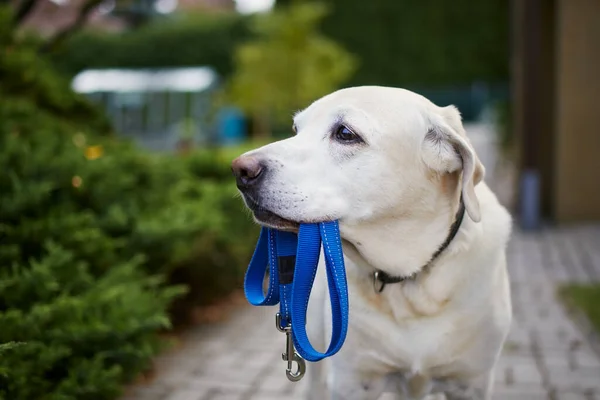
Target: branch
(23, 11)
(79, 22)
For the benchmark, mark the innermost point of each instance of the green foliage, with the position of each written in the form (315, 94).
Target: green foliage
(584, 298)
(71, 291)
(426, 42)
(184, 40)
(82, 335)
(93, 235)
(397, 42)
(289, 64)
(27, 77)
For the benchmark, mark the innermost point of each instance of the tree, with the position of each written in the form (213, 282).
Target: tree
(287, 66)
(25, 7)
(134, 12)
(84, 12)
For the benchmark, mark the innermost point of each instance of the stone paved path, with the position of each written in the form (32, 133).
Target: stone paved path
(546, 355)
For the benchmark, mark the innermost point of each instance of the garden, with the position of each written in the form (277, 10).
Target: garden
(105, 246)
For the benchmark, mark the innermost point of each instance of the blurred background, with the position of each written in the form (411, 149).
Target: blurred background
(119, 222)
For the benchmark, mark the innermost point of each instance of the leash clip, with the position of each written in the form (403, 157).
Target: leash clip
(290, 354)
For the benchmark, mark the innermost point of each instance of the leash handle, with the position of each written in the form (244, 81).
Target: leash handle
(283, 252)
(261, 260)
(309, 245)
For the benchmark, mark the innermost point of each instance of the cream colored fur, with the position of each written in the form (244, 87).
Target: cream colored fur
(395, 197)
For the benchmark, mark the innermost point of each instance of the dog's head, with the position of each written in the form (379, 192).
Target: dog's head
(359, 155)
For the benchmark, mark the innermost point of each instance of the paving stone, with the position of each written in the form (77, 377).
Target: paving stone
(587, 359)
(187, 394)
(173, 381)
(271, 396)
(147, 393)
(521, 392)
(581, 379)
(558, 361)
(276, 383)
(524, 374)
(225, 380)
(570, 396)
(226, 396)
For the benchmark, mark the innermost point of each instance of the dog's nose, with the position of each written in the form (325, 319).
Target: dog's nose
(247, 171)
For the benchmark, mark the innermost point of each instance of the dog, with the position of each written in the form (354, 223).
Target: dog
(424, 242)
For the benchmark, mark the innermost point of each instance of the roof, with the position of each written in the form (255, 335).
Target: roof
(193, 79)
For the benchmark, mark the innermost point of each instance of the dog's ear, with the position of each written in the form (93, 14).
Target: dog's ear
(447, 149)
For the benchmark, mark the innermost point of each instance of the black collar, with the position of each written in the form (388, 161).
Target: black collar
(380, 278)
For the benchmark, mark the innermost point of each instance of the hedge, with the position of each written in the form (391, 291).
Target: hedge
(183, 40)
(426, 43)
(95, 237)
(398, 42)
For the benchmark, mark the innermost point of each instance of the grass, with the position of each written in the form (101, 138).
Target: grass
(585, 298)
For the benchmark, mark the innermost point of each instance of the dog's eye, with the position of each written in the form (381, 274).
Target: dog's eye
(344, 134)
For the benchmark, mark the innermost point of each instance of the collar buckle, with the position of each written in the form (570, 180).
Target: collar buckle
(381, 279)
(378, 283)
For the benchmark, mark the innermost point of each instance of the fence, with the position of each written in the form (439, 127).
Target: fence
(159, 108)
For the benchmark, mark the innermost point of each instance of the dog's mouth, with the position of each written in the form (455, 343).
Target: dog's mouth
(268, 218)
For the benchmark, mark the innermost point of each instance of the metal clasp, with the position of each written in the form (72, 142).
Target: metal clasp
(290, 354)
(378, 284)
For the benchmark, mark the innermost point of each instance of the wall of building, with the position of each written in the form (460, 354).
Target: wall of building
(533, 92)
(577, 116)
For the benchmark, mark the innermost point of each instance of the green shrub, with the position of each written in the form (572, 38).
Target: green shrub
(27, 77)
(426, 43)
(71, 291)
(93, 234)
(584, 299)
(184, 40)
(178, 211)
(399, 42)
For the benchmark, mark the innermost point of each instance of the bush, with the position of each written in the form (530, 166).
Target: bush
(93, 232)
(26, 77)
(189, 40)
(583, 298)
(182, 213)
(427, 42)
(399, 43)
(70, 289)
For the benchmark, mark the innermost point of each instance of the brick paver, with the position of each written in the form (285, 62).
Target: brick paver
(546, 355)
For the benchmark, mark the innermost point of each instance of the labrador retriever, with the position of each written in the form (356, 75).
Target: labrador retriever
(424, 242)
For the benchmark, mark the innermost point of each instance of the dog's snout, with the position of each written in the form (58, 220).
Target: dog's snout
(247, 171)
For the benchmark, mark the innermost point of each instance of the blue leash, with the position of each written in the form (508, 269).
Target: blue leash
(292, 262)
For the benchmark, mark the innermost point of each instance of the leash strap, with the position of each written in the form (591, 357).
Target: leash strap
(292, 262)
